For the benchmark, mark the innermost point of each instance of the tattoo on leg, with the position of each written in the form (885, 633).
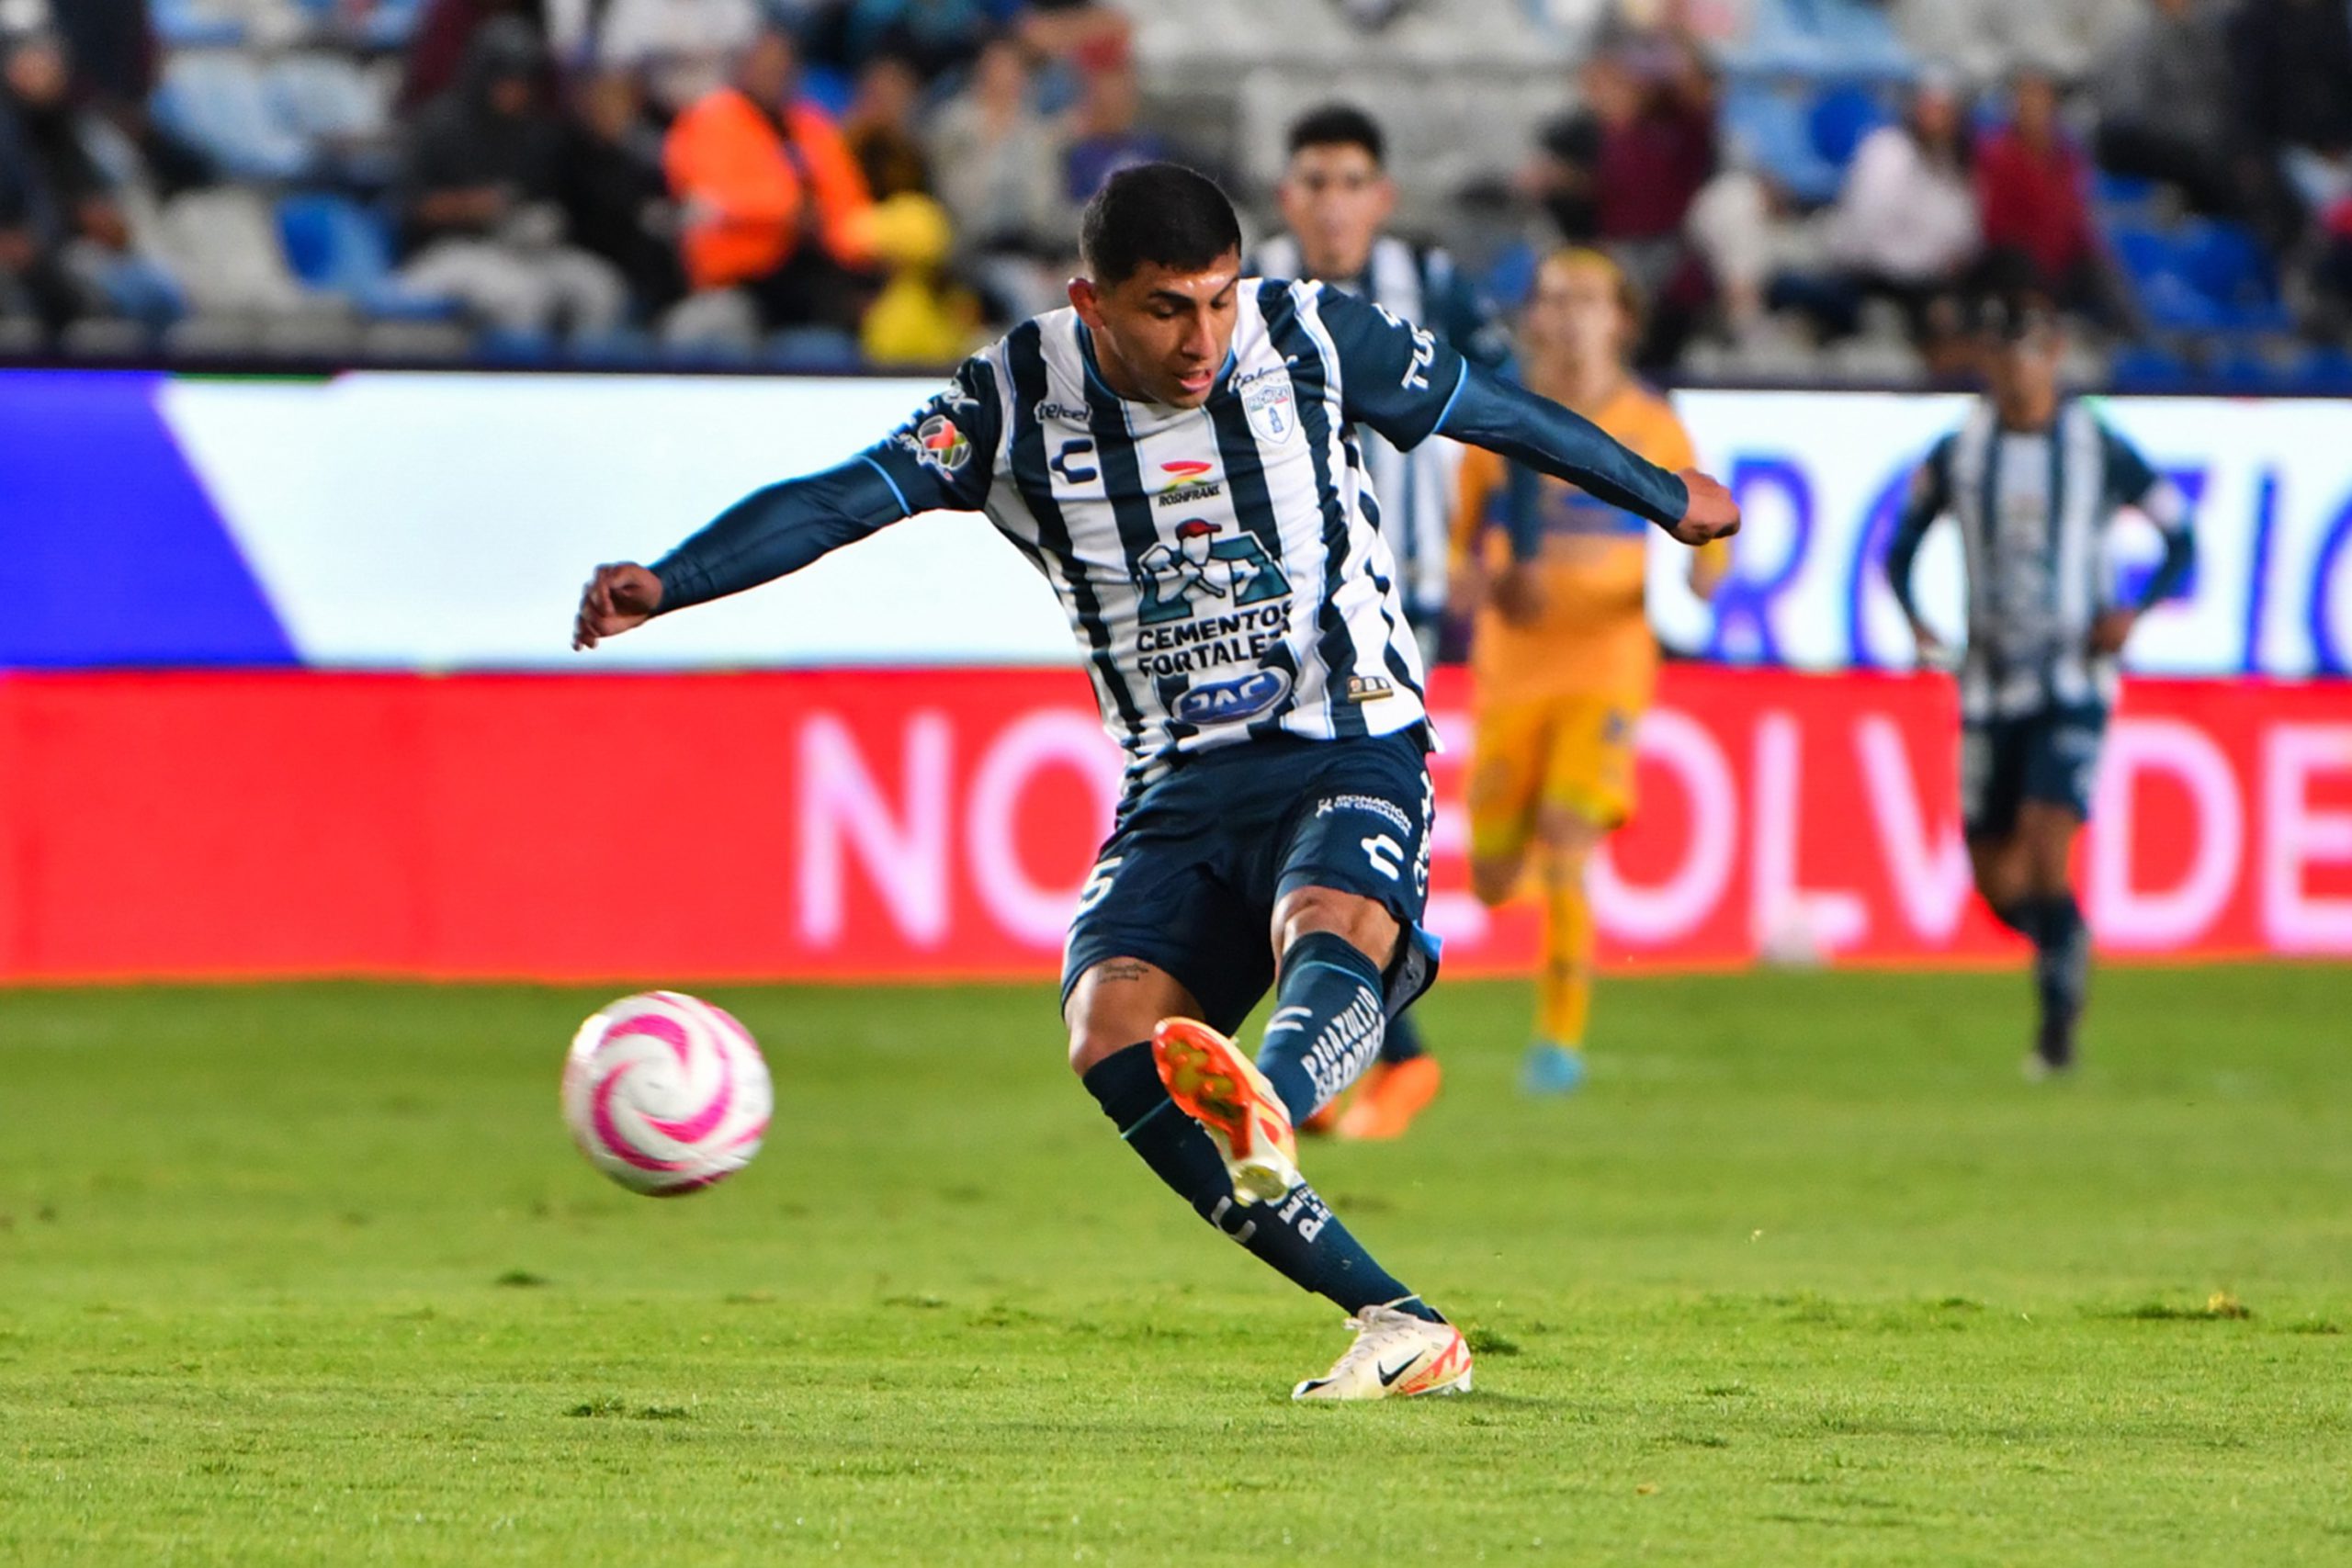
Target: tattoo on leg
(1121, 969)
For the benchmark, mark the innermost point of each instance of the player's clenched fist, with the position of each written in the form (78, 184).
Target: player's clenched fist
(621, 595)
(1711, 514)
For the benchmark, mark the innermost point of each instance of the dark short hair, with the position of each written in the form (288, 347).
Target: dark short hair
(1340, 125)
(1156, 213)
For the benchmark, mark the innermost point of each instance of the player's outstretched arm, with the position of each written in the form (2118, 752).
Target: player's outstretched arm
(939, 460)
(1501, 416)
(769, 534)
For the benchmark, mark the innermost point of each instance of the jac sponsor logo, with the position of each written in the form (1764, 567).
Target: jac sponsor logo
(1229, 701)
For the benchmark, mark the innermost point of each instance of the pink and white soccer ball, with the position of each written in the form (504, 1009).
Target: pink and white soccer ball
(665, 1093)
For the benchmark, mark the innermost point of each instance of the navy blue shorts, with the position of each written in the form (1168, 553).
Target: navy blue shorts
(1189, 878)
(2050, 756)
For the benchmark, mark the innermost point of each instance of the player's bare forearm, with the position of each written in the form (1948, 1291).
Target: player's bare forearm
(1502, 417)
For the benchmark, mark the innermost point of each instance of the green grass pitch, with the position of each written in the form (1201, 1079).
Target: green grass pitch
(1808, 1275)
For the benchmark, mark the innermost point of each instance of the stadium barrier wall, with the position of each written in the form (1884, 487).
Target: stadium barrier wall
(444, 521)
(939, 823)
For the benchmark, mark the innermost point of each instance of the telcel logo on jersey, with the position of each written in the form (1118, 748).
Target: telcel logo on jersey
(1228, 702)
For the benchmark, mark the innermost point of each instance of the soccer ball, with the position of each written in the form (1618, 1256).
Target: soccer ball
(665, 1093)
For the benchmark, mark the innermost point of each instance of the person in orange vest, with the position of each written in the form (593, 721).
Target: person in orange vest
(773, 203)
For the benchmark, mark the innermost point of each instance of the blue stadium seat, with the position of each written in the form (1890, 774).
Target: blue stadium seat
(1510, 279)
(1841, 116)
(335, 244)
(1820, 40)
(216, 101)
(522, 347)
(2203, 277)
(190, 24)
(2144, 368)
(814, 351)
(623, 348)
(1772, 126)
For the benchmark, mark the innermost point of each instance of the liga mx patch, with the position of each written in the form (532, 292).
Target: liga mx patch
(1369, 689)
(940, 445)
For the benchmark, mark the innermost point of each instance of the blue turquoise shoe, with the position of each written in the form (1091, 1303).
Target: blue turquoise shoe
(1551, 1070)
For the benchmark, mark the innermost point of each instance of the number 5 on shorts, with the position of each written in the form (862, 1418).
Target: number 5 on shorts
(1098, 884)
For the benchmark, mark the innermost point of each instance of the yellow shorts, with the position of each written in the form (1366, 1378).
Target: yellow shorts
(1575, 752)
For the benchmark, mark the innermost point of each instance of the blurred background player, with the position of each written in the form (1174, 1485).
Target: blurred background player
(1563, 660)
(2035, 482)
(1336, 197)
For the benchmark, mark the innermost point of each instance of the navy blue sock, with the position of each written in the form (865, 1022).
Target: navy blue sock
(2017, 914)
(2062, 958)
(1403, 1041)
(1329, 1021)
(1298, 1236)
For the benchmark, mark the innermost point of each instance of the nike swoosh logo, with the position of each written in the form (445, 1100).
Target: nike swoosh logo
(1388, 1378)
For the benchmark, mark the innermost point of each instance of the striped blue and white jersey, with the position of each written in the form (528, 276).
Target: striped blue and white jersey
(2035, 510)
(1222, 567)
(1417, 490)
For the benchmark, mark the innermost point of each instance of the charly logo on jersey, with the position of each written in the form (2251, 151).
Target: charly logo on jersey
(1187, 483)
(1229, 701)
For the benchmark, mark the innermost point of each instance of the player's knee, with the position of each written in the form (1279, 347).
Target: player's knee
(1090, 1043)
(1363, 923)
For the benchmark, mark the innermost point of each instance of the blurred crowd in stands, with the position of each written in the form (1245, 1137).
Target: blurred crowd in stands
(1803, 189)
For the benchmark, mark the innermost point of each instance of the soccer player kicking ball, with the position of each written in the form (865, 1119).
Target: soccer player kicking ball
(1276, 815)
(2035, 482)
(1336, 199)
(1563, 659)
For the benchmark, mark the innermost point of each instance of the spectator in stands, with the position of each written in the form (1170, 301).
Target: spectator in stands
(66, 245)
(1561, 175)
(999, 174)
(112, 47)
(1624, 169)
(1107, 136)
(616, 201)
(1905, 225)
(2293, 64)
(480, 196)
(444, 29)
(880, 129)
(2033, 201)
(2165, 105)
(775, 204)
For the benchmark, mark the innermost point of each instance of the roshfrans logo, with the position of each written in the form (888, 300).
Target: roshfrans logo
(1187, 482)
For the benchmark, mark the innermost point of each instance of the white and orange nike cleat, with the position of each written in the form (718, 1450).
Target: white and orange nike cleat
(1216, 1085)
(1391, 1095)
(1396, 1356)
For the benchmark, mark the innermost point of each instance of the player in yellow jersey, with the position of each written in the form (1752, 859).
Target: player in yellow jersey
(1563, 660)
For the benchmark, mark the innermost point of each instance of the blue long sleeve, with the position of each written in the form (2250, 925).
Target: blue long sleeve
(1902, 552)
(778, 530)
(1928, 498)
(1502, 417)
